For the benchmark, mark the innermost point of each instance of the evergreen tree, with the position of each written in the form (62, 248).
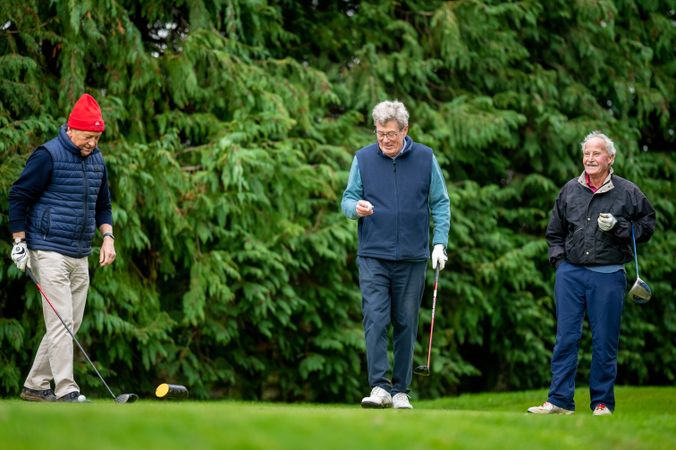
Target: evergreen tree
(230, 127)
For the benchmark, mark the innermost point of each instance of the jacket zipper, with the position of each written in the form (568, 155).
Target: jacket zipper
(86, 205)
(396, 215)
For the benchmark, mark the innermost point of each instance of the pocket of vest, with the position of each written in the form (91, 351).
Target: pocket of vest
(45, 223)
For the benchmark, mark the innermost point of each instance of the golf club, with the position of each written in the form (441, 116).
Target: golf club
(640, 292)
(122, 398)
(424, 370)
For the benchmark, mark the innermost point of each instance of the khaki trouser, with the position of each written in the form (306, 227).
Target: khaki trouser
(65, 281)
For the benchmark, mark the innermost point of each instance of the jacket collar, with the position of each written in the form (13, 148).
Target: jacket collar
(408, 145)
(65, 141)
(605, 187)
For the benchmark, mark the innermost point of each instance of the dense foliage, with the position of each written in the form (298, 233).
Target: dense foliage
(231, 125)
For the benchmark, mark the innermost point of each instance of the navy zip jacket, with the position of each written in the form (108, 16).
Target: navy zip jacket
(573, 234)
(61, 198)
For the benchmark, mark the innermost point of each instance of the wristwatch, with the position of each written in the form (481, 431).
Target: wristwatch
(108, 233)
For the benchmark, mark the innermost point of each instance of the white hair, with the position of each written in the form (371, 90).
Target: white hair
(609, 144)
(385, 111)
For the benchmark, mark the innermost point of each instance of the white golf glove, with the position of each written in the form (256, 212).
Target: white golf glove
(20, 255)
(606, 221)
(439, 257)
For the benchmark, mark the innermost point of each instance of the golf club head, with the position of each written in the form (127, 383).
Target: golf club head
(640, 292)
(423, 370)
(126, 398)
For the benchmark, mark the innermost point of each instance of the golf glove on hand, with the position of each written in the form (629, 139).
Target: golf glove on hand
(606, 221)
(20, 255)
(439, 257)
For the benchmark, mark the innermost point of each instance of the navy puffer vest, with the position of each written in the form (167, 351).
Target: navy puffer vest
(63, 220)
(399, 191)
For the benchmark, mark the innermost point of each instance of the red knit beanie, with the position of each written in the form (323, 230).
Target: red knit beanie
(86, 115)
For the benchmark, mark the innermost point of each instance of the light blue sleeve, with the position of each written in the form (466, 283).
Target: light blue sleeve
(353, 193)
(440, 205)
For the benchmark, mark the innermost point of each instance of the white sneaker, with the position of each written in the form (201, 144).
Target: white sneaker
(548, 408)
(602, 410)
(379, 398)
(400, 401)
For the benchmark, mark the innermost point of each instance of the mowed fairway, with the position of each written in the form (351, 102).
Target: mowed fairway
(645, 419)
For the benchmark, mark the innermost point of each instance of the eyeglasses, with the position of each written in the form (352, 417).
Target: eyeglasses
(388, 135)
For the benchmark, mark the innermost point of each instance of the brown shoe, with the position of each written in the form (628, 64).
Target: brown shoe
(34, 395)
(73, 397)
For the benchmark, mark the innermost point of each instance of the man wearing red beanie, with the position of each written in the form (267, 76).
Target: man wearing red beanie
(55, 207)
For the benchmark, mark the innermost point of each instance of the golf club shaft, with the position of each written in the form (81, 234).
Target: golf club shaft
(32, 277)
(434, 307)
(633, 240)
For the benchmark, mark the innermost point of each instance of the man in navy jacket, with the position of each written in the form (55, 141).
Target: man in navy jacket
(589, 237)
(394, 186)
(55, 207)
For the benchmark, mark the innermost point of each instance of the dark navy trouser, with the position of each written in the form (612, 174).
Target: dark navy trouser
(391, 295)
(602, 295)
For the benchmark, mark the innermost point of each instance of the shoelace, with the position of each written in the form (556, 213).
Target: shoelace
(400, 394)
(601, 406)
(379, 393)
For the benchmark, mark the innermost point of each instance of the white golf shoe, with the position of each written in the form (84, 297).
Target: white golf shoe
(400, 401)
(379, 398)
(548, 408)
(602, 410)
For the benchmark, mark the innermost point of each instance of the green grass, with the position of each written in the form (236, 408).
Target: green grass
(645, 419)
